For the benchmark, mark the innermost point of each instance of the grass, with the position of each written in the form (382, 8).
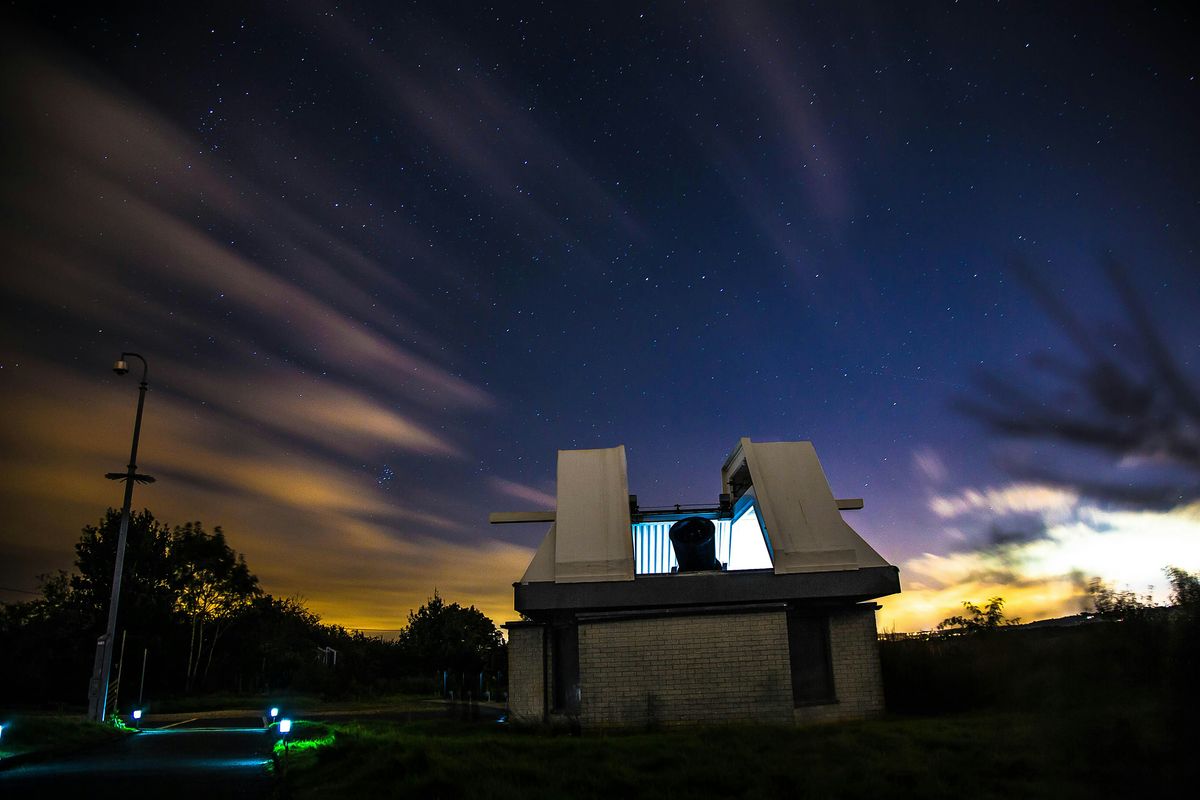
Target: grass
(306, 702)
(224, 700)
(53, 733)
(1085, 754)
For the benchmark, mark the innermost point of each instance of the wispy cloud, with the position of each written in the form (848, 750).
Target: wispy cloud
(1015, 498)
(792, 102)
(307, 523)
(279, 382)
(542, 500)
(493, 137)
(1043, 576)
(929, 465)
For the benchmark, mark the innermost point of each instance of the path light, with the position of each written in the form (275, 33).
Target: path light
(285, 727)
(137, 713)
(274, 712)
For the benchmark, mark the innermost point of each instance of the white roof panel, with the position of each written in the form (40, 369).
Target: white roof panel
(594, 539)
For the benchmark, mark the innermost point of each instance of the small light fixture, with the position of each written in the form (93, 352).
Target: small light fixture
(274, 712)
(285, 726)
(137, 713)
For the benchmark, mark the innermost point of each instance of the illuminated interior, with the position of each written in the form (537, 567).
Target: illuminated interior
(741, 542)
(748, 542)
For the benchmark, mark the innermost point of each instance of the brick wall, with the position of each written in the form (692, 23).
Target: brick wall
(699, 668)
(526, 701)
(857, 677)
(675, 669)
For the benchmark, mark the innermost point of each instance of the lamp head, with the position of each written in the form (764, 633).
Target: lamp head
(121, 366)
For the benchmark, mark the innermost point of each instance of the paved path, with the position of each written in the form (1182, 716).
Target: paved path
(424, 710)
(209, 754)
(230, 760)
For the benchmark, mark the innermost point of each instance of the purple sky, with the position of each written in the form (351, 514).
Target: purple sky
(384, 263)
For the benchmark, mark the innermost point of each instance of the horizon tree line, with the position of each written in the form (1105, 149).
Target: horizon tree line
(193, 608)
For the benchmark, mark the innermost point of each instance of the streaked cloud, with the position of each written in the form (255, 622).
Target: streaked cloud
(303, 519)
(929, 465)
(116, 189)
(280, 383)
(541, 500)
(792, 101)
(1046, 576)
(1020, 497)
(530, 172)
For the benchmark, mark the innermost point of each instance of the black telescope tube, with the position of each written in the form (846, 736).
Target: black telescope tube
(694, 542)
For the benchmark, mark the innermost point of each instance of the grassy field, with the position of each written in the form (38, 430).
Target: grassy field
(52, 733)
(1096, 712)
(305, 702)
(1086, 754)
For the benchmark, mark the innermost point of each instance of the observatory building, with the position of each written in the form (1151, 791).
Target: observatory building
(756, 608)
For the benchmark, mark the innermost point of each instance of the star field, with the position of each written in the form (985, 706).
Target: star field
(385, 260)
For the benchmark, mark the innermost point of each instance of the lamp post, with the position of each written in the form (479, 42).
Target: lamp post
(97, 707)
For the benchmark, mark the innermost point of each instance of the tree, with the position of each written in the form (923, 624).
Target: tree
(46, 645)
(989, 617)
(189, 599)
(1185, 586)
(148, 583)
(212, 584)
(1112, 604)
(49, 642)
(449, 637)
(168, 572)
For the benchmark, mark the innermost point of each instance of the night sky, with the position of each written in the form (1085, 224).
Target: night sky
(384, 261)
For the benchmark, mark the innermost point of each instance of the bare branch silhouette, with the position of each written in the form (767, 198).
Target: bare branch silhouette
(1131, 405)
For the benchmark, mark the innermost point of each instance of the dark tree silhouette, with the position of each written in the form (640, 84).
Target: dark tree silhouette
(191, 603)
(1185, 586)
(212, 585)
(988, 617)
(1129, 404)
(1112, 603)
(442, 636)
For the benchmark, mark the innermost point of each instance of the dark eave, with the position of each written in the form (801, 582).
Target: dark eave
(706, 589)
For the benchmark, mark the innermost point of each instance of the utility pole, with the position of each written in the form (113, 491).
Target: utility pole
(116, 691)
(142, 683)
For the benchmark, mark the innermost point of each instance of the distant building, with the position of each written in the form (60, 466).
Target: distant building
(768, 618)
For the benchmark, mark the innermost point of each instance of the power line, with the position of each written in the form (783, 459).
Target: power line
(22, 591)
(376, 630)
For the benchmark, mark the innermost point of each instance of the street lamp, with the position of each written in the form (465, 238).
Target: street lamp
(98, 701)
